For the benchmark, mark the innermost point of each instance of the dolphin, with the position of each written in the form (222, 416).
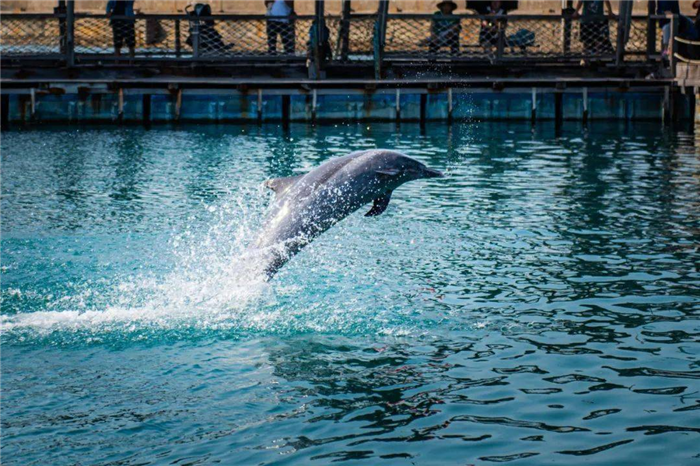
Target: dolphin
(307, 205)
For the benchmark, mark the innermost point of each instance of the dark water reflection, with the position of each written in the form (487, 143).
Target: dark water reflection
(538, 306)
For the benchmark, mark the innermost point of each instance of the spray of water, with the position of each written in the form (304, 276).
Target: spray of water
(213, 283)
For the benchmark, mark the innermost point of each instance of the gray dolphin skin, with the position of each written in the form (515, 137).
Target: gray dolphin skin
(307, 205)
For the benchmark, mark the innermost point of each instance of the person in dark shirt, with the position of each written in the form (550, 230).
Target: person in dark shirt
(595, 31)
(490, 29)
(122, 29)
(686, 27)
(444, 30)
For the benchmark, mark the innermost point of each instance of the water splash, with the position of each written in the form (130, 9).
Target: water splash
(212, 284)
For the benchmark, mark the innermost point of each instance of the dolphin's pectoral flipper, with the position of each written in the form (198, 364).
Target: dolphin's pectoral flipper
(280, 185)
(380, 205)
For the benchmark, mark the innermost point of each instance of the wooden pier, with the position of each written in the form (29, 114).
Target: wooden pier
(61, 67)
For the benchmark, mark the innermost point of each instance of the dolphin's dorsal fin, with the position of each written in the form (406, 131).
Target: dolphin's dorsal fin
(280, 185)
(380, 205)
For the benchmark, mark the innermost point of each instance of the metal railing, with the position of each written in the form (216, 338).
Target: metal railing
(383, 38)
(524, 38)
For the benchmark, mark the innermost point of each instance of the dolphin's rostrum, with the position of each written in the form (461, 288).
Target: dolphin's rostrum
(307, 205)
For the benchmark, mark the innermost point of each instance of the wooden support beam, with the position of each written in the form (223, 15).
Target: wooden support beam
(5, 104)
(344, 35)
(533, 109)
(32, 101)
(558, 108)
(449, 105)
(585, 104)
(260, 106)
(423, 108)
(120, 105)
(178, 104)
(70, 33)
(398, 104)
(286, 104)
(651, 29)
(146, 109)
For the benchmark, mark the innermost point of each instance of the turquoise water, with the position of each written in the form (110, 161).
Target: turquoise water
(537, 306)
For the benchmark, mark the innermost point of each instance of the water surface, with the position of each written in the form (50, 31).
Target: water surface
(537, 306)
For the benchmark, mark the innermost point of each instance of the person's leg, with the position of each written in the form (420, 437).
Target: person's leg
(130, 37)
(454, 46)
(288, 38)
(433, 47)
(117, 38)
(271, 37)
(453, 42)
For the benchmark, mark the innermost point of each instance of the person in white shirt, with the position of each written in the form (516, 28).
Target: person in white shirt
(280, 22)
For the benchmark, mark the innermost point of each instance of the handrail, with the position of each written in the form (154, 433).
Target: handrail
(354, 16)
(552, 17)
(35, 44)
(193, 17)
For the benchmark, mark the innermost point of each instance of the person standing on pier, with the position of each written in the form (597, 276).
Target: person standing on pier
(280, 21)
(595, 31)
(444, 28)
(122, 28)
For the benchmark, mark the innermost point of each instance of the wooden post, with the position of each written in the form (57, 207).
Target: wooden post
(379, 39)
(449, 105)
(120, 108)
(585, 104)
(620, 46)
(566, 23)
(398, 104)
(533, 110)
(70, 33)
(195, 38)
(146, 109)
(558, 108)
(674, 44)
(345, 31)
(500, 45)
(317, 41)
(5, 104)
(314, 101)
(178, 40)
(61, 9)
(651, 30)
(260, 106)
(178, 104)
(423, 109)
(32, 99)
(286, 104)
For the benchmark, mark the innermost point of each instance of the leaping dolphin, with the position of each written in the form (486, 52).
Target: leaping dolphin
(307, 205)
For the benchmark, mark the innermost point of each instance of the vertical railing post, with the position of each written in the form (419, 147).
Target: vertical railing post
(673, 44)
(178, 40)
(380, 37)
(317, 41)
(70, 33)
(651, 30)
(501, 43)
(567, 13)
(60, 11)
(620, 46)
(345, 31)
(195, 38)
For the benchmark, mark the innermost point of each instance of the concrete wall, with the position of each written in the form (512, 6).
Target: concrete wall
(302, 6)
(206, 105)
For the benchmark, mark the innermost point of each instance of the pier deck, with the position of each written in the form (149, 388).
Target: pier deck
(62, 68)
